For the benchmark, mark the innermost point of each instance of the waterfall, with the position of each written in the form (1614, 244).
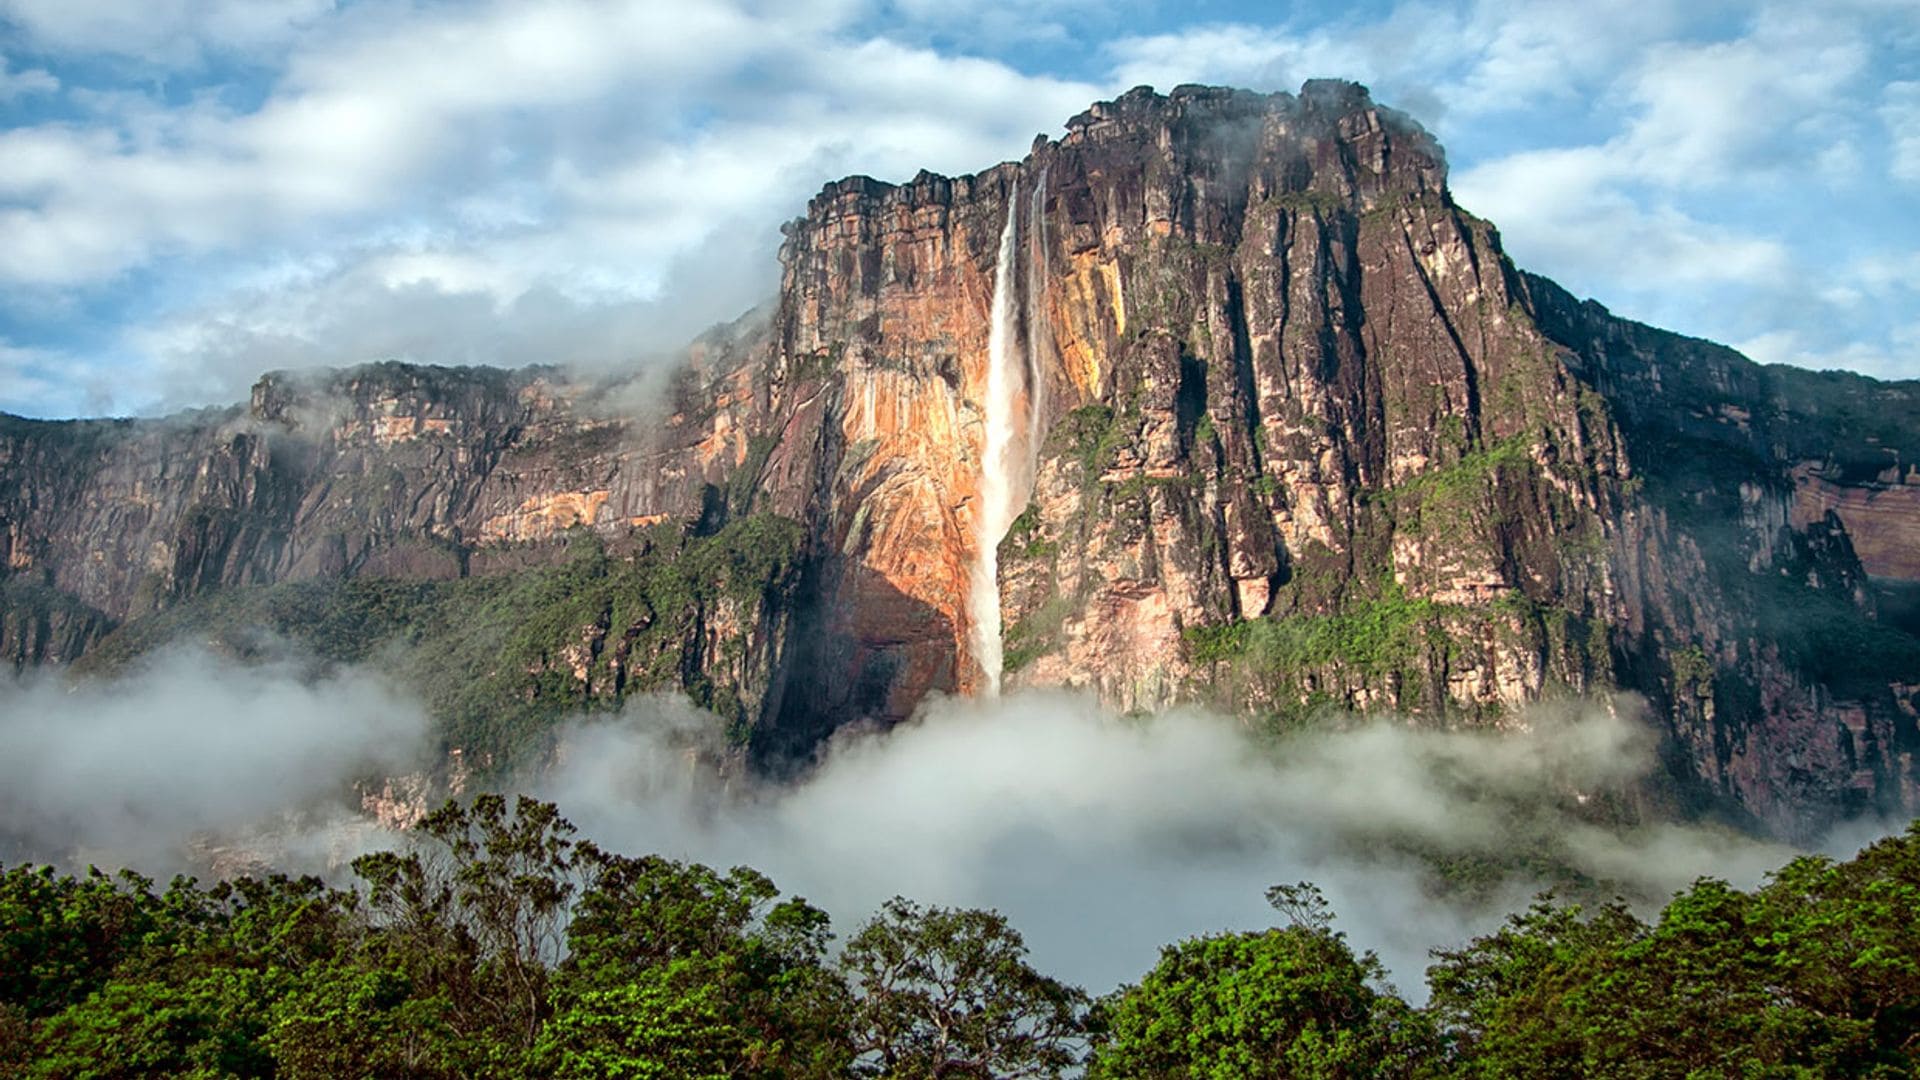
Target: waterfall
(1001, 458)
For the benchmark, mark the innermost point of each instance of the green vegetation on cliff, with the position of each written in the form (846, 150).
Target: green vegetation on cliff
(1288, 665)
(1091, 435)
(1444, 498)
(1373, 635)
(498, 658)
(1038, 633)
(37, 621)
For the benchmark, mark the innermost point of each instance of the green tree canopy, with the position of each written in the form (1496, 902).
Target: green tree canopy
(497, 945)
(948, 992)
(678, 970)
(1286, 1002)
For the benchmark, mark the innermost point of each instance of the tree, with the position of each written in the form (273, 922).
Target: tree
(62, 936)
(1844, 939)
(1285, 1002)
(193, 971)
(207, 1024)
(948, 992)
(476, 916)
(354, 1019)
(1508, 1002)
(725, 974)
(451, 964)
(668, 1022)
(1785, 981)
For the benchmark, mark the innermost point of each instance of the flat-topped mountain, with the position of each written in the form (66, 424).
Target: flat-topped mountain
(1218, 398)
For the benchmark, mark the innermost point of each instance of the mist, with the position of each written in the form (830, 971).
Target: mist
(1103, 837)
(189, 759)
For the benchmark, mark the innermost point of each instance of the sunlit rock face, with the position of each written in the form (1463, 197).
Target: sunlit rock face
(1292, 433)
(387, 470)
(1882, 515)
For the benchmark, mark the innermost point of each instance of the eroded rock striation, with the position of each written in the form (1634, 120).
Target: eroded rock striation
(1299, 435)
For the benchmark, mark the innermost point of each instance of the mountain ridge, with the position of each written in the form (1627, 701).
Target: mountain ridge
(1302, 437)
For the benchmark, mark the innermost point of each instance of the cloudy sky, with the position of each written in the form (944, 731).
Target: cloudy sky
(193, 191)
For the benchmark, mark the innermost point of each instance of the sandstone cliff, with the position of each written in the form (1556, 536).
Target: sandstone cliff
(1292, 433)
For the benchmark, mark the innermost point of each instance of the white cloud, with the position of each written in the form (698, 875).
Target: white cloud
(1884, 274)
(54, 383)
(1897, 358)
(1721, 112)
(1704, 205)
(1518, 54)
(440, 304)
(578, 150)
(544, 161)
(1900, 112)
(992, 24)
(16, 84)
(1701, 140)
(1103, 838)
(1233, 53)
(382, 111)
(1442, 62)
(127, 769)
(1564, 210)
(162, 32)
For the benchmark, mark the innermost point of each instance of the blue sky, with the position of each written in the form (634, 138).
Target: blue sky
(195, 191)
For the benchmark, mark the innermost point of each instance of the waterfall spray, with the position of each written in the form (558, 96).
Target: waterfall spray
(1001, 457)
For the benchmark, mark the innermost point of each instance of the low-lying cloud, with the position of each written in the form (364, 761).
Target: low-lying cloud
(1105, 837)
(155, 767)
(1102, 837)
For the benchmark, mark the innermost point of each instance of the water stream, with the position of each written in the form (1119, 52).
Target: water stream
(1003, 457)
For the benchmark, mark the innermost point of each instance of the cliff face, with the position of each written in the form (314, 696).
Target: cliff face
(1791, 682)
(127, 531)
(1323, 403)
(388, 470)
(1290, 432)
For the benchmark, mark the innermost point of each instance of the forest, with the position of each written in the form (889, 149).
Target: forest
(499, 943)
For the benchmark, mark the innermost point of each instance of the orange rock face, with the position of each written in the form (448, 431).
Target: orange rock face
(541, 517)
(894, 290)
(1883, 519)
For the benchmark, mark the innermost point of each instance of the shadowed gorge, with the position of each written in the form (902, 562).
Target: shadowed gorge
(1302, 439)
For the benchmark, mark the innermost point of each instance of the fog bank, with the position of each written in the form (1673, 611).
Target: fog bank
(1102, 837)
(153, 767)
(1105, 837)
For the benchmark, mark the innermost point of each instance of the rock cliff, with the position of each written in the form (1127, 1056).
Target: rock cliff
(1292, 433)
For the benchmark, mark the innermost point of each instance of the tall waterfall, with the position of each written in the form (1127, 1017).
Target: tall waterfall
(1003, 459)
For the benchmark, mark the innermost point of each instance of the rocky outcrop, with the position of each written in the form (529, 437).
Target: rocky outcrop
(134, 531)
(42, 626)
(1882, 516)
(1301, 437)
(1324, 399)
